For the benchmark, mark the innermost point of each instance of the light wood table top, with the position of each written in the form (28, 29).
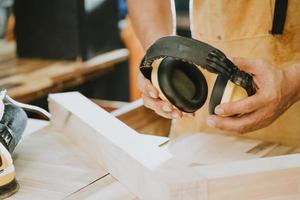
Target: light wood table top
(48, 166)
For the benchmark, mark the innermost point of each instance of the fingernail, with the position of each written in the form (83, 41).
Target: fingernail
(211, 122)
(166, 108)
(219, 111)
(175, 115)
(152, 94)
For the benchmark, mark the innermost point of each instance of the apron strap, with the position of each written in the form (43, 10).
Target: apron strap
(280, 12)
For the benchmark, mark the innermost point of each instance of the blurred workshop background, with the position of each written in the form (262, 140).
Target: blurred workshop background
(49, 46)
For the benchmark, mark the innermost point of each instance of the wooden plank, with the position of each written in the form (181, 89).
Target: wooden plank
(34, 125)
(123, 151)
(151, 172)
(7, 50)
(49, 166)
(143, 119)
(280, 150)
(106, 189)
(30, 79)
(208, 149)
(109, 105)
(15, 67)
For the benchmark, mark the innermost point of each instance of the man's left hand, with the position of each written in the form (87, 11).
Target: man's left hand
(274, 95)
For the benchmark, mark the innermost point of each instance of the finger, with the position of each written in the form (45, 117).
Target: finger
(157, 106)
(145, 86)
(140, 81)
(176, 114)
(161, 107)
(243, 106)
(244, 124)
(165, 115)
(248, 65)
(150, 97)
(151, 103)
(150, 90)
(169, 115)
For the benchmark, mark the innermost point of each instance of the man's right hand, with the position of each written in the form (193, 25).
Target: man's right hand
(151, 99)
(152, 20)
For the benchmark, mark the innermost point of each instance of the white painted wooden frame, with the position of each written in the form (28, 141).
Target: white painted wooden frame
(153, 173)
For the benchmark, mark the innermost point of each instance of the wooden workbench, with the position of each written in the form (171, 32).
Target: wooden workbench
(50, 167)
(85, 150)
(31, 79)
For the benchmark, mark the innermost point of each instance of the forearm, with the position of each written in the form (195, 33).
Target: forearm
(151, 19)
(293, 77)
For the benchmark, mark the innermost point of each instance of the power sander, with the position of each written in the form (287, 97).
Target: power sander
(13, 120)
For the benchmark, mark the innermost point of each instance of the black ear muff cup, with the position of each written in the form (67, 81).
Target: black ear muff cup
(217, 93)
(183, 84)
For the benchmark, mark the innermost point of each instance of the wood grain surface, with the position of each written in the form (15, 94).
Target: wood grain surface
(49, 166)
(30, 79)
(199, 166)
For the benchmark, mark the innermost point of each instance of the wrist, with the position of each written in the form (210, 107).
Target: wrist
(292, 77)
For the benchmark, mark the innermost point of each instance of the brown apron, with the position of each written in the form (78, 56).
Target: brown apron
(240, 28)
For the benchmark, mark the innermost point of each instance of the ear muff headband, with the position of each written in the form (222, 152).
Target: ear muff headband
(197, 53)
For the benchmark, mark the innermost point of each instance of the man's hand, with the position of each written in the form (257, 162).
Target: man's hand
(151, 99)
(152, 20)
(275, 94)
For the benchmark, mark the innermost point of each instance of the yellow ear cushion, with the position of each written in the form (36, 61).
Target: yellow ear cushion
(238, 93)
(154, 78)
(233, 93)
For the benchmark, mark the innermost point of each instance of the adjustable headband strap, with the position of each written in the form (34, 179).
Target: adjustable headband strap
(186, 49)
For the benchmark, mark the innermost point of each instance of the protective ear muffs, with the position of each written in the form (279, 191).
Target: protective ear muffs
(171, 64)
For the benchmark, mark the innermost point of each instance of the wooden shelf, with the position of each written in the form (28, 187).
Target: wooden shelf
(30, 79)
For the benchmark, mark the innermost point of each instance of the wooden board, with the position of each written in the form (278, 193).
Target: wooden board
(142, 119)
(7, 50)
(107, 188)
(49, 166)
(137, 116)
(30, 79)
(196, 167)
